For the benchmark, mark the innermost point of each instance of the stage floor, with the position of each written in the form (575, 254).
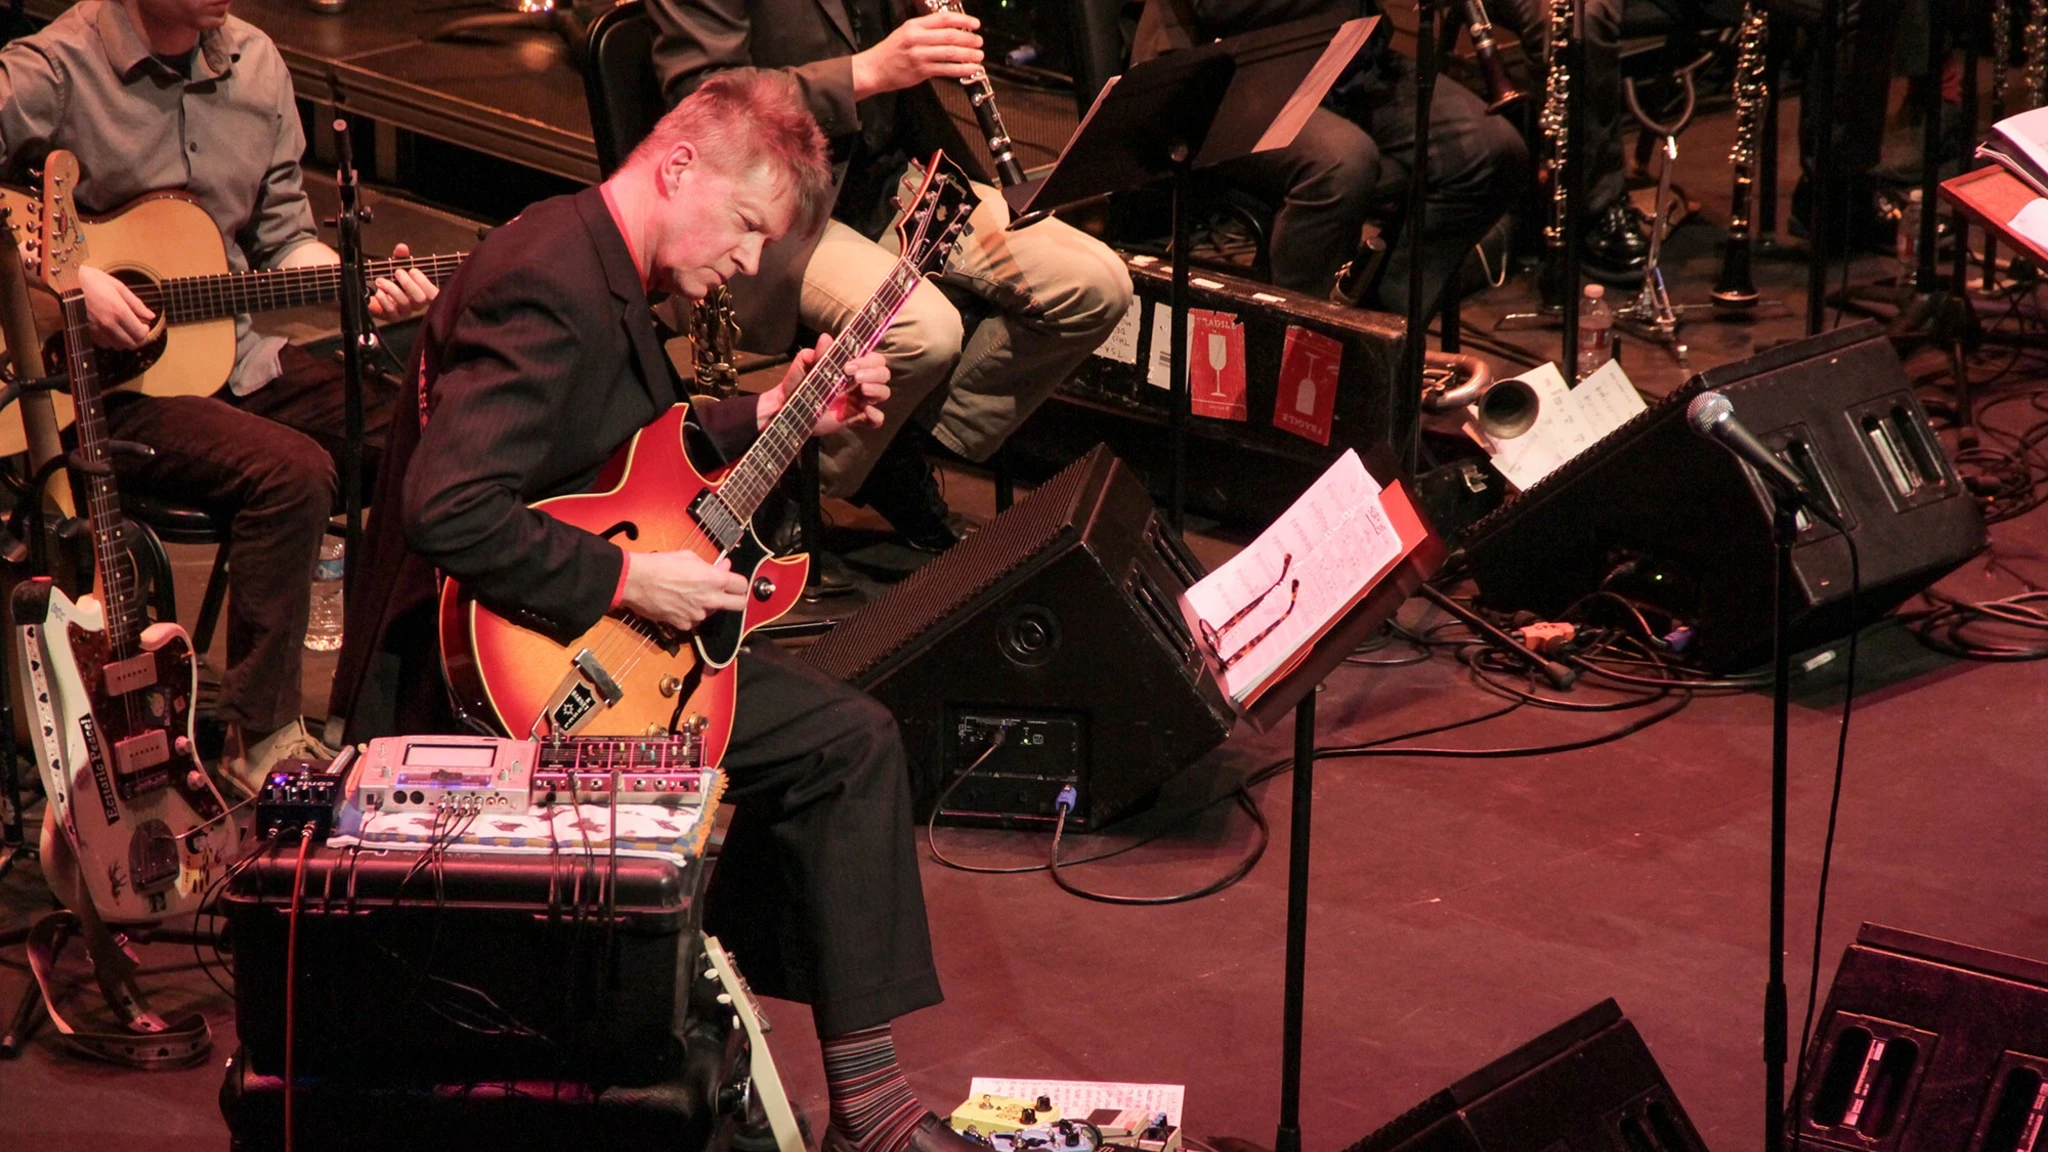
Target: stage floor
(1460, 905)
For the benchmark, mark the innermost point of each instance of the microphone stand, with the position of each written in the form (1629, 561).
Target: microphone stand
(358, 336)
(1784, 534)
(1404, 416)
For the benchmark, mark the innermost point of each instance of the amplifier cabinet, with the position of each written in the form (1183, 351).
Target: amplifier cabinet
(1242, 470)
(472, 966)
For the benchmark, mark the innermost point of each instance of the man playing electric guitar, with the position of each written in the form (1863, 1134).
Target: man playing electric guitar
(536, 365)
(156, 94)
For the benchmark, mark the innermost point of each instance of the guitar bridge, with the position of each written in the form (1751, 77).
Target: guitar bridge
(585, 691)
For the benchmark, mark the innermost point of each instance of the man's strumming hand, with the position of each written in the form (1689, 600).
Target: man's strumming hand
(119, 318)
(680, 589)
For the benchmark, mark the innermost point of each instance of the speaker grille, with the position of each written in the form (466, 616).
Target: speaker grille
(861, 648)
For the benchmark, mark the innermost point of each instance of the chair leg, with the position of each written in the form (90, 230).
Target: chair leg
(1006, 489)
(163, 591)
(210, 604)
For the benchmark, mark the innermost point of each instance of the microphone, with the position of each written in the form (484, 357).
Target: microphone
(1713, 416)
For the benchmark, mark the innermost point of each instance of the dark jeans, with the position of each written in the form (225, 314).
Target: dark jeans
(1599, 87)
(267, 462)
(816, 892)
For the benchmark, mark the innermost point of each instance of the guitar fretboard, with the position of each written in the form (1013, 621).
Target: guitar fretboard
(188, 299)
(725, 516)
(120, 591)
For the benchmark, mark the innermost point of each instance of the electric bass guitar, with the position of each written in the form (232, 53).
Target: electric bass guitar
(111, 695)
(168, 251)
(630, 676)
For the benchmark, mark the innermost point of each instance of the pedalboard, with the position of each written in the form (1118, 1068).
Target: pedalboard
(497, 774)
(302, 794)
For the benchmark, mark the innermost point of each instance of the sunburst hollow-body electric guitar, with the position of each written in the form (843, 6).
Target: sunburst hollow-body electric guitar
(629, 676)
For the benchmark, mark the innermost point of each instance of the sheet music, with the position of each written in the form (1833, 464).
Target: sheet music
(1334, 542)
(2031, 221)
(1077, 1098)
(1569, 420)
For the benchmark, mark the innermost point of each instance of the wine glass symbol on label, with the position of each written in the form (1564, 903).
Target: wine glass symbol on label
(1219, 355)
(1305, 394)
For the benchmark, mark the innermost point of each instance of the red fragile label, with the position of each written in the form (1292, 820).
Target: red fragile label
(1307, 393)
(1215, 364)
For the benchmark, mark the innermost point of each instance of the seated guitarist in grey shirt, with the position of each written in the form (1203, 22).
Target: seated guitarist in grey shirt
(177, 94)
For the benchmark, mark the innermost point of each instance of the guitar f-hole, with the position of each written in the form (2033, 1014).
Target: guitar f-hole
(626, 527)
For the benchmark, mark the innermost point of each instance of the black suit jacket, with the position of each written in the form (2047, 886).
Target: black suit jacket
(538, 361)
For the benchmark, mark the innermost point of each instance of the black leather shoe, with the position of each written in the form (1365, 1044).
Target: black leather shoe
(931, 1135)
(1614, 250)
(903, 488)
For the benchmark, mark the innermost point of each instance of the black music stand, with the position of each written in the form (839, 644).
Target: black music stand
(1296, 692)
(1191, 109)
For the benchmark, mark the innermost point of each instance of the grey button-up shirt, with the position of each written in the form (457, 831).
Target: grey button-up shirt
(228, 135)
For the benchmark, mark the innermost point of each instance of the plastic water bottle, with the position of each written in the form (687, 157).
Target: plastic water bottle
(1596, 331)
(1908, 247)
(323, 626)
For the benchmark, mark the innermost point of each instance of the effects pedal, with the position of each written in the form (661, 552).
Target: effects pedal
(985, 1116)
(443, 773)
(657, 770)
(298, 794)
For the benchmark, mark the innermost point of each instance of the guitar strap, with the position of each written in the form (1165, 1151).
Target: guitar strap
(148, 1042)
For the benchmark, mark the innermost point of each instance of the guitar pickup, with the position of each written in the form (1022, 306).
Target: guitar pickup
(135, 757)
(587, 690)
(124, 676)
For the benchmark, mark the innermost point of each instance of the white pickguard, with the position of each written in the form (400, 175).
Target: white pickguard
(82, 796)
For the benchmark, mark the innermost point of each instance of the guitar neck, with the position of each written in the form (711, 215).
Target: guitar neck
(120, 593)
(188, 299)
(758, 471)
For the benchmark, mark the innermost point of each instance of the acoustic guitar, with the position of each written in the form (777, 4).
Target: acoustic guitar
(166, 248)
(629, 676)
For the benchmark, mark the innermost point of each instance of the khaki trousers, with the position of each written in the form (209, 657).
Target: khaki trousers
(1055, 293)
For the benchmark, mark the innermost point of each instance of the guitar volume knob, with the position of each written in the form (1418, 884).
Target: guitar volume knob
(669, 686)
(764, 588)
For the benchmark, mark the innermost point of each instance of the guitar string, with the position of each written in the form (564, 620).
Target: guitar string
(115, 574)
(217, 295)
(819, 387)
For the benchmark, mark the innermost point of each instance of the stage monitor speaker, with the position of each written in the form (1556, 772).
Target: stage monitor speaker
(1587, 1085)
(1661, 515)
(1048, 648)
(1927, 1044)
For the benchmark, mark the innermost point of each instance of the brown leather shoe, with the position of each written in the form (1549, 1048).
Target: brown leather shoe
(932, 1134)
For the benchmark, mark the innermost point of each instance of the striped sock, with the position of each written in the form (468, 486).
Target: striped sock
(872, 1104)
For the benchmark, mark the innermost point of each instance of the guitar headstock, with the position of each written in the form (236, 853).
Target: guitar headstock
(936, 217)
(63, 246)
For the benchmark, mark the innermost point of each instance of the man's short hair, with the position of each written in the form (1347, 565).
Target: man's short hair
(744, 118)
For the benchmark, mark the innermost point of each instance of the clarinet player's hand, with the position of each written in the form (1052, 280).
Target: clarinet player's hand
(938, 44)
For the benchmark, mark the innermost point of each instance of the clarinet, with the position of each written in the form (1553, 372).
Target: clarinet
(2035, 39)
(1555, 125)
(1734, 288)
(1501, 93)
(982, 95)
(714, 331)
